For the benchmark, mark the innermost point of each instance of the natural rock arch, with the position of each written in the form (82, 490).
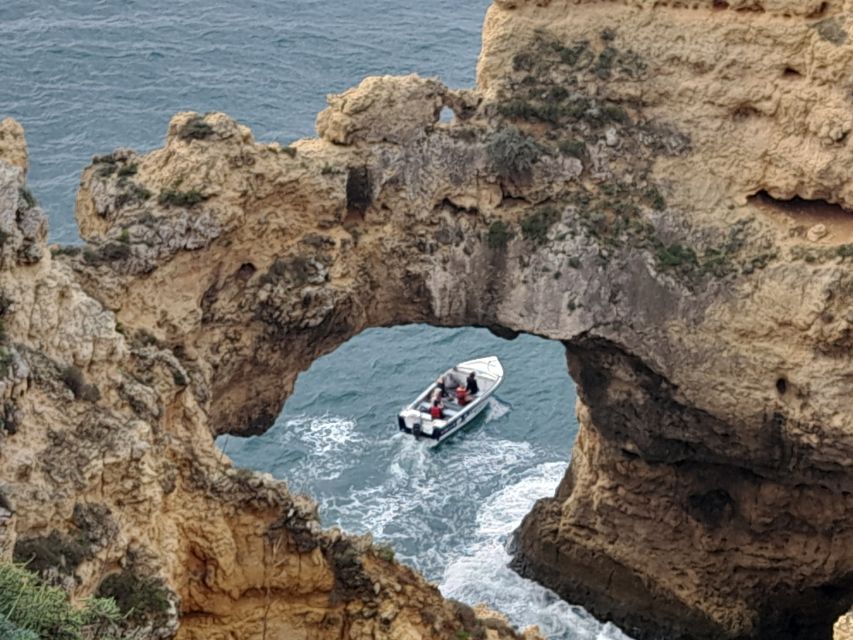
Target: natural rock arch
(608, 206)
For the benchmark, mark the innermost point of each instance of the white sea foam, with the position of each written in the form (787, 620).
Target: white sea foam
(449, 511)
(504, 510)
(324, 435)
(482, 575)
(496, 409)
(323, 440)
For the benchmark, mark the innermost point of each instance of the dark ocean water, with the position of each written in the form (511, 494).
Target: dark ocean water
(87, 76)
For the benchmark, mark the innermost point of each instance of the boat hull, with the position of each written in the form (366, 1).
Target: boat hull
(439, 434)
(415, 419)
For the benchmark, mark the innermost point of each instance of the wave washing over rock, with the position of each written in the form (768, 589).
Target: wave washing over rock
(618, 170)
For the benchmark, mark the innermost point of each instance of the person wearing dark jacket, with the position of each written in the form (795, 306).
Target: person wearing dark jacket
(471, 386)
(441, 385)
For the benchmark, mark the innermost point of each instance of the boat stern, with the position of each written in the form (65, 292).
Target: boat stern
(414, 422)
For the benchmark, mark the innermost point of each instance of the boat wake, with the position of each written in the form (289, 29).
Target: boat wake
(481, 574)
(448, 511)
(496, 409)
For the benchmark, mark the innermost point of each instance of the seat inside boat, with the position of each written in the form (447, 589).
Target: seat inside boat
(453, 379)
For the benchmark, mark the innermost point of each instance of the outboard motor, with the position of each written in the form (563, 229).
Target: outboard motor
(416, 430)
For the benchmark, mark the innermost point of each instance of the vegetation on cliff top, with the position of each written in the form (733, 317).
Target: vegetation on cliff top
(175, 198)
(143, 600)
(195, 129)
(33, 610)
(499, 235)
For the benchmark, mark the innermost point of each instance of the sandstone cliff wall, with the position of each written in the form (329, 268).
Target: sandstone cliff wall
(110, 481)
(625, 173)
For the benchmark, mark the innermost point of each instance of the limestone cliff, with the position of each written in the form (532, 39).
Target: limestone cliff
(109, 478)
(659, 185)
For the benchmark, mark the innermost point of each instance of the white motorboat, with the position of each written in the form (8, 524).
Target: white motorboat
(416, 419)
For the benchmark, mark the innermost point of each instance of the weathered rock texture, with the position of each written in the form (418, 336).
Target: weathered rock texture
(613, 182)
(109, 478)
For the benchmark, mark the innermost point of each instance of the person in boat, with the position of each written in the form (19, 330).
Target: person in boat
(462, 395)
(436, 411)
(441, 386)
(471, 385)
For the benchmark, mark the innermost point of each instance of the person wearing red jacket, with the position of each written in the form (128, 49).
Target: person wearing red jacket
(461, 395)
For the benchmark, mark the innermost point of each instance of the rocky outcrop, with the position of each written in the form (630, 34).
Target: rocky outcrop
(616, 181)
(110, 481)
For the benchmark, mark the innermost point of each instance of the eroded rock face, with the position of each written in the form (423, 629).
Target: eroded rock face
(610, 183)
(110, 481)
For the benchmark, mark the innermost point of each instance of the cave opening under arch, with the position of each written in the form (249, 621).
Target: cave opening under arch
(450, 510)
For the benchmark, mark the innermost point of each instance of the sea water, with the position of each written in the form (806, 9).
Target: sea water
(450, 510)
(87, 76)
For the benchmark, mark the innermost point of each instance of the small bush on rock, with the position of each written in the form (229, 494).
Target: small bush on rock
(574, 148)
(6, 360)
(195, 129)
(30, 610)
(385, 551)
(9, 631)
(128, 170)
(535, 227)
(106, 169)
(656, 199)
(143, 600)
(56, 551)
(499, 235)
(173, 198)
(28, 198)
(133, 194)
(676, 255)
(513, 154)
(110, 252)
(66, 250)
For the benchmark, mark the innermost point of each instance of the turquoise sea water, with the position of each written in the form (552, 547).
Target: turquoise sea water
(448, 510)
(87, 76)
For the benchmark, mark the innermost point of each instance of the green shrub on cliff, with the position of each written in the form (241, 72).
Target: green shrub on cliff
(574, 148)
(6, 360)
(385, 551)
(132, 194)
(27, 197)
(128, 170)
(195, 129)
(676, 255)
(31, 609)
(513, 154)
(55, 552)
(173, 198)
(143, 600)
(655, 198)
(535, 227)
(9, 631)
(499, 235)
(66, 250)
